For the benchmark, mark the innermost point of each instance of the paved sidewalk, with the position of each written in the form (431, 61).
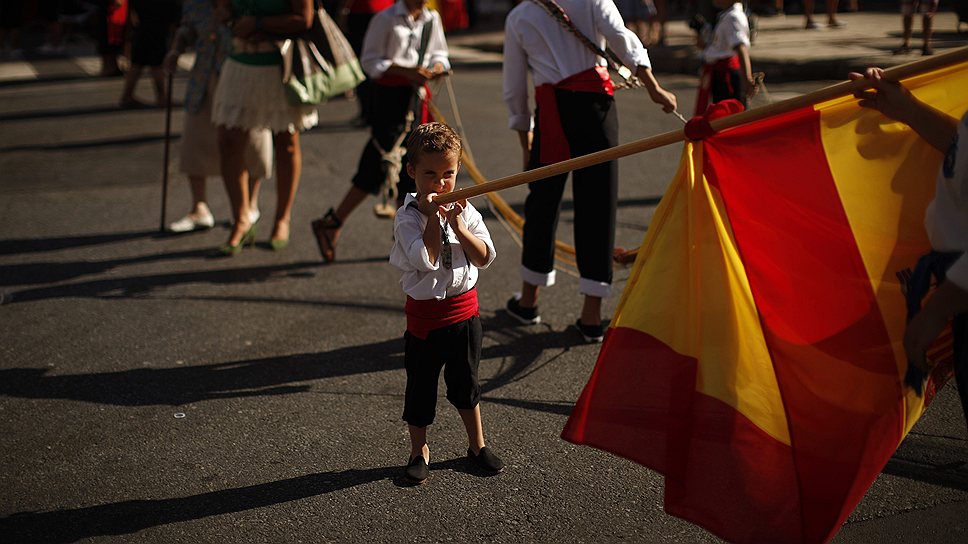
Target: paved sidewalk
(784, 50)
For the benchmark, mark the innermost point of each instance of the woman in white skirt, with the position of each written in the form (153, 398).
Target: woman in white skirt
(199, 146)
(250, 96)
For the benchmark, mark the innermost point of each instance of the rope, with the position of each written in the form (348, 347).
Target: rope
(558, 14)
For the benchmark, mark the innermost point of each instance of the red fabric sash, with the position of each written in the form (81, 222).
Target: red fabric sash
(369, 6)
(400, 81)
(424, 316)
(709, 72)
(554, 145)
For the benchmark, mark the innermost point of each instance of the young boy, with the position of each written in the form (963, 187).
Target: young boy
(439, 250)
(726, 69)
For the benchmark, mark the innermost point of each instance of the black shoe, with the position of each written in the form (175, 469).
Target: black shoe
(486, 461)
(527, 316)
(417, 471)
(593, 334)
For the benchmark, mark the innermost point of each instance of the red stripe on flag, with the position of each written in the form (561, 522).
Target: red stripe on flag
(821, 321)
(722, 471)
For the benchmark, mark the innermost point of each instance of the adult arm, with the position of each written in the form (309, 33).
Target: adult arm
(897, 102)
(515, 85)
(949, 300)
(437, 56)
(746, 71)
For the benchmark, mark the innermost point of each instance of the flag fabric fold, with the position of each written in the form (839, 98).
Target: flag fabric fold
(755, 357)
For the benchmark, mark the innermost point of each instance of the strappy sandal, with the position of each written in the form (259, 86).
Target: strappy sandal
(322, 228)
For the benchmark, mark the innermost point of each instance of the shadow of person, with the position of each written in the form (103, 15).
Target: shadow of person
(131, 516)
(280, 375)
(132, 286)
(14, 246)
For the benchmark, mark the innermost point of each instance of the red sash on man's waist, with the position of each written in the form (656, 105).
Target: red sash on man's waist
(720, 68)
(554, 145)
(400, 81)
(424, 316)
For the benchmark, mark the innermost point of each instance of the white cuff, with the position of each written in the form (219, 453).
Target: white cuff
(594, 288)
(540, 279)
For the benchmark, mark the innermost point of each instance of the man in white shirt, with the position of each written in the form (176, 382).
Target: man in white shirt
(576, 115)
(404, 48)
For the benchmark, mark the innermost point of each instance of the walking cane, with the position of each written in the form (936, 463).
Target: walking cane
(164, 177)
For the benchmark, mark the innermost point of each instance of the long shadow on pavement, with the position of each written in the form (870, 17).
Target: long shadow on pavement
(131, 516)
(186, 384)
(282, 375)
(143, 285)
(15, 246)
(931, 459)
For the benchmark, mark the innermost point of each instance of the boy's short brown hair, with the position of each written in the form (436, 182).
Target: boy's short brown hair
(433, 138)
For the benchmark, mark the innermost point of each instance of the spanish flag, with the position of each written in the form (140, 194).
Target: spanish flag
(755, 358)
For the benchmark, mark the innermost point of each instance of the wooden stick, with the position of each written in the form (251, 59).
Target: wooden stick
(845, 88)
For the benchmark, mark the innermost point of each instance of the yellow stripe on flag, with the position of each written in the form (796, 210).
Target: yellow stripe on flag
(880, 168)
(722, 330)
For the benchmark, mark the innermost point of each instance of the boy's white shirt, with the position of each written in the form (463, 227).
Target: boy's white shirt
(425, 280)
(946, 218)
(393, 37)
(732, 28)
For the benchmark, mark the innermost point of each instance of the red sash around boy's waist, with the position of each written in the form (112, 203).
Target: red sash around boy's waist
(400, 81)
(424, 316)
(554, 145)
(719, 69)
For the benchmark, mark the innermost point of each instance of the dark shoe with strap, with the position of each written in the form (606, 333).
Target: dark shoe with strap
(417, 471)
(526, 316)
(593, 334)
(486, 461)
(323, 231)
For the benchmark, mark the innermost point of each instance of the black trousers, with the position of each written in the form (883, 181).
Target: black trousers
(390, 106)
(455, 349)
(727, 85)
(590, 123)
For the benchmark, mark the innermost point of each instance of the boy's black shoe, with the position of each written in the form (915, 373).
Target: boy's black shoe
(486, 461)
(527, 316)
(593, 334)
(417, 471)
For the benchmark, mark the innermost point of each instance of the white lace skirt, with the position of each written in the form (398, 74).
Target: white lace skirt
(199, 145)
(253, 97)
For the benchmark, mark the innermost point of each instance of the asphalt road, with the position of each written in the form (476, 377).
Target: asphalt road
(150, 393)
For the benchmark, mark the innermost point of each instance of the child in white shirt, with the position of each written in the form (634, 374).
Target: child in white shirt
(439, 250)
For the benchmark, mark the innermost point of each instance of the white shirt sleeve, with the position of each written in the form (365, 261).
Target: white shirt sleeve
(374, 58)
(738, 31)
(515, 73)
(624, 42)
(475, 223)
(437, 46)
(409, 251)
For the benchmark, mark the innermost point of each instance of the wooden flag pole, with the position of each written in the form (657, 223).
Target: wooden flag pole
(845, 88)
